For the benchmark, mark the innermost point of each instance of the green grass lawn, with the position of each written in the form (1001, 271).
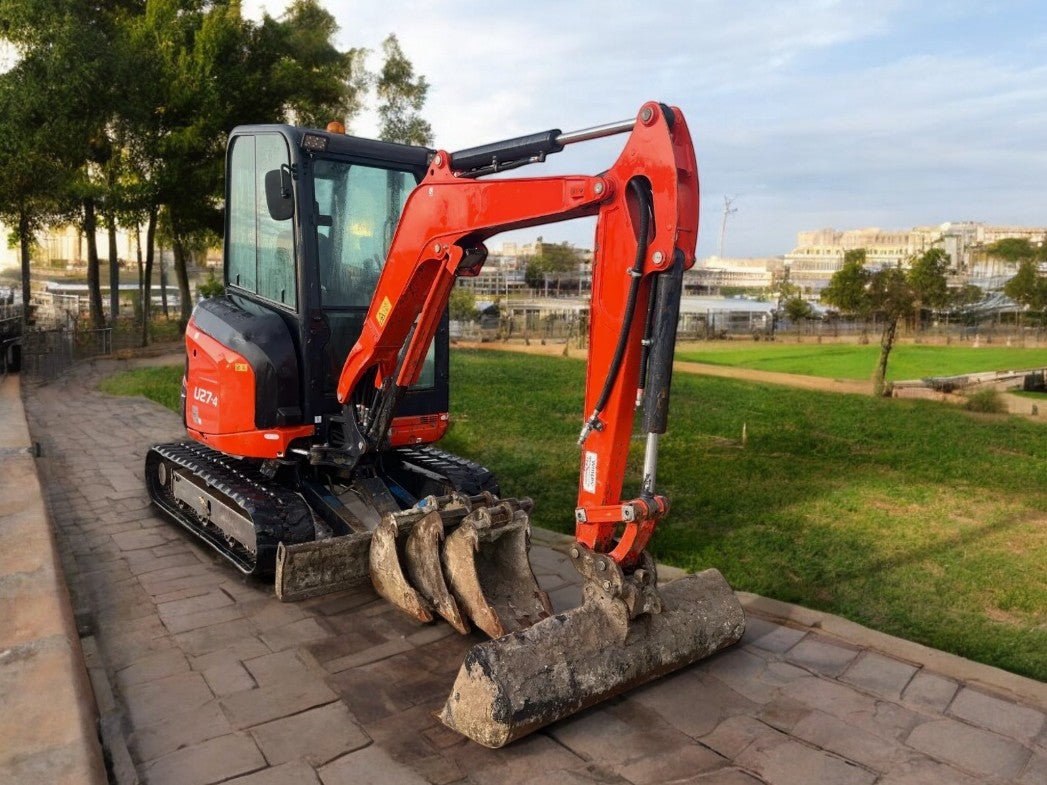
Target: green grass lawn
(162, 383)
(912, 517)
(853, 361)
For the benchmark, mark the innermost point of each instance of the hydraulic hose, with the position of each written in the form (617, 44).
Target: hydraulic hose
(648, 330)
(643, 196)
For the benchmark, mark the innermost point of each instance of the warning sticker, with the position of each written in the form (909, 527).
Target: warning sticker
(589, 472)
(383, 311)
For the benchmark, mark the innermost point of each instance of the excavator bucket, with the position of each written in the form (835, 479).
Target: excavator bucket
(423, 566)
(513, 685)
(387, 574)
(478, 571)
(485, 560)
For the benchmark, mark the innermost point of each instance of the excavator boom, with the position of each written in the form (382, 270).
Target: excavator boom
(647, 225)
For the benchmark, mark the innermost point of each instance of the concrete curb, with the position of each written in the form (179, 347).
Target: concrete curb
(995, 679)
(49, 723)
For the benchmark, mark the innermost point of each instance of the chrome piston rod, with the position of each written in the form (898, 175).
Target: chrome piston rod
(596, 132)
(650, 464)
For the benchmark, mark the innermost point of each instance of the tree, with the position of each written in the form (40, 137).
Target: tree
(966, 295)
(462, 305)
(847, 289)
(892, 297)
(798, 309)
(295, 62)
(1012, 249)
(204, 69)
(552, 260)
(72, 43)
(928, 281)
(1028, 287)
(401, 95)
(119, 110)
(34, 173)
(887, 293)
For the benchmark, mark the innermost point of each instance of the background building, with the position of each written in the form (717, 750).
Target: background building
(819, 254)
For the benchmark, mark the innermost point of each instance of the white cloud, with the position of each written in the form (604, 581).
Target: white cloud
(814, 112)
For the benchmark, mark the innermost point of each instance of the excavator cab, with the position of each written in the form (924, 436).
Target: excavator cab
(310, 216)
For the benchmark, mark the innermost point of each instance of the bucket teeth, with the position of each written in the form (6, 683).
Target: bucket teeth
(485, 561)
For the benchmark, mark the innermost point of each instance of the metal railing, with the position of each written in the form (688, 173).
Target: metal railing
(47, 354)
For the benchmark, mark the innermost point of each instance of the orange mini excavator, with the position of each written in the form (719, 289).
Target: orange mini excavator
(317, 385)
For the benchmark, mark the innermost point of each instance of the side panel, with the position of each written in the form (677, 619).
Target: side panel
(242, 389)
(418, 429)
(258, 337)
(220, 386)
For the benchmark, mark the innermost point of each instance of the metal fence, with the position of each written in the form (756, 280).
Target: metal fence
(723, 324)
(47, 354)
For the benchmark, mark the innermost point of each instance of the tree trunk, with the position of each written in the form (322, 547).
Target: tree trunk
(23, 244)
(94, 284)
(163, 282)
(890, 330)
(114, 270)
(141, 270)
(182, 274)
(147, 296)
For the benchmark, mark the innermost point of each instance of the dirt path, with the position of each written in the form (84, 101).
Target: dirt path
(852, 386)
(1015, 403)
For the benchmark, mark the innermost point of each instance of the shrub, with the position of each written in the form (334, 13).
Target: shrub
(988, 401)
(212, 287)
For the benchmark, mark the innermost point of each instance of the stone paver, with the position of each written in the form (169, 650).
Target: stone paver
(1002, 716)
(930, 692)
(880, 675)
(973, 749)
(214, 680)
(822, 655)
(317, 736)
(210, 761)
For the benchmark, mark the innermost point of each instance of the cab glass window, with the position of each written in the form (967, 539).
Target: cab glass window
(260, 249)
(357, 210)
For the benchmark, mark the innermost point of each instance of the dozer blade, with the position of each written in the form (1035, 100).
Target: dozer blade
(310, 569)
(423, 566)
(511, 686)
(485, 562)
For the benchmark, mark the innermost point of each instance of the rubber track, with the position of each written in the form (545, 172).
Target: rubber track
(278, 513)
(468, 477)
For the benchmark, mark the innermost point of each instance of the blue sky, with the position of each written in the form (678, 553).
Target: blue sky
(809, 113)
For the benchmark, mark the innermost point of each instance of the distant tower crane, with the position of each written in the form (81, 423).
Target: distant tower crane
(728, 209)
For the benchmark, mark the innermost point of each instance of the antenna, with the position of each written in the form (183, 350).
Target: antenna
(728, 209)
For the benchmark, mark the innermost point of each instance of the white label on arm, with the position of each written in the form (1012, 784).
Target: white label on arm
(589, 472)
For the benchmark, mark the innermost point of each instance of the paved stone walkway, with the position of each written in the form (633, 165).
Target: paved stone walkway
(202, 676)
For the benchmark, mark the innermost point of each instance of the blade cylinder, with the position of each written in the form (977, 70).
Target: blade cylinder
(513, 685)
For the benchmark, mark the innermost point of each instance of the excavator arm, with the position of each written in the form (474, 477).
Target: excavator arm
(646, 206)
